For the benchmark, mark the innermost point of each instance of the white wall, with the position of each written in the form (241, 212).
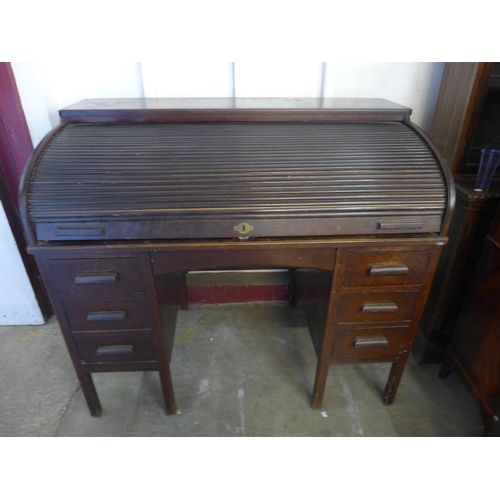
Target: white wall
(45, 88)
(278, 79)
(415, 85)
(18, 304)
(187, 79)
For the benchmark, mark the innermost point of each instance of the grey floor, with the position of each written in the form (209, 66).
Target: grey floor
(238, 370)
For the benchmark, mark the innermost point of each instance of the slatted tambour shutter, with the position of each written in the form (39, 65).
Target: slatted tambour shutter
(177, 180)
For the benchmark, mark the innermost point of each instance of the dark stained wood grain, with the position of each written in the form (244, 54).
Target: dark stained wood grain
(361, 265)
(345, 348)
(107, 314)
(128, 197)
(326, 340)
(470, 225)
(156, 300)
(475, 346)
(91, 347)
(232, 180)
(313, 289)
(232, 257)
(458, 109)
(125, 273)
(234, 109)
(377, 306)
(466, 120)
(171, 296)
(85, 378)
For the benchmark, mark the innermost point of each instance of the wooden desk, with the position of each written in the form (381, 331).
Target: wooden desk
(117, 309)
(355, 204)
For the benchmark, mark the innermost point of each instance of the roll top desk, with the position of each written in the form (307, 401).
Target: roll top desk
(126, 196)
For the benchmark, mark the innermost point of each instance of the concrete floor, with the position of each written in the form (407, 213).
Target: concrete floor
(238, 370)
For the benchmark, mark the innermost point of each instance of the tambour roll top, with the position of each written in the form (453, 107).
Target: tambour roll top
(129, 170)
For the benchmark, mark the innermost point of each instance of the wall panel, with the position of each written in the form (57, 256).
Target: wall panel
(278, 79)
(187, 79)
(412, 84)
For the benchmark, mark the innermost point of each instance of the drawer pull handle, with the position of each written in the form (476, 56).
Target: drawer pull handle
(106, 316)
(388, 270)
(80, 231)
(96, 278)
(379, 307)
(115, 349)
(367, 343)
(400, 225)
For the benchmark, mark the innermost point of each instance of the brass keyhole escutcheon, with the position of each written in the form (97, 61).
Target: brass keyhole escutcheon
(244, 228)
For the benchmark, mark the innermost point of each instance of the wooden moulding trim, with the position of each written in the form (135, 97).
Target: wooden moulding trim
(121, 249)
(224, 229)
(210, 110)
(203, 116)
(141, 366)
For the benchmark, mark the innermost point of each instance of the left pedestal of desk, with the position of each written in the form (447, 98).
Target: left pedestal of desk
(115, 317)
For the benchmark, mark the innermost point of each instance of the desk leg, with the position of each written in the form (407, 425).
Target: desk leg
(165, 293)
(395, 375)
(168, 391)
(325, 351)
(88, 389)
(320, 382)
(314, 288)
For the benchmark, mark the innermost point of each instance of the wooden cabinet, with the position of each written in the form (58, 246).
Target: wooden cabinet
(467, 119)
(475, 346)
(458, 111)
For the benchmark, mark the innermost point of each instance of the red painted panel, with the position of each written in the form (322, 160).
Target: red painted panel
(15, 141)
(224, 294)
(15, 149)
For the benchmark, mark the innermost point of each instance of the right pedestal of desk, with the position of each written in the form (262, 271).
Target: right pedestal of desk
(369, 310)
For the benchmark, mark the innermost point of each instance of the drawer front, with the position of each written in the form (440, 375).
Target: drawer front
(369, 345)
(115, 347)
(386, 268)
(100, 315)
(89, 278)
(378, 306)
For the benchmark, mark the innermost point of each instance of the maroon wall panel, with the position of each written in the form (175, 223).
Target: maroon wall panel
(15, 141)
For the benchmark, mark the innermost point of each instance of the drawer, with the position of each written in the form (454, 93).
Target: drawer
(369, 345)
(386, 268)
(99, 315)
(88, 278)
(115, 347)
(377, 306)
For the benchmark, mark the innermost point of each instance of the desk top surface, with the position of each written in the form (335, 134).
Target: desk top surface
(230, 109)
